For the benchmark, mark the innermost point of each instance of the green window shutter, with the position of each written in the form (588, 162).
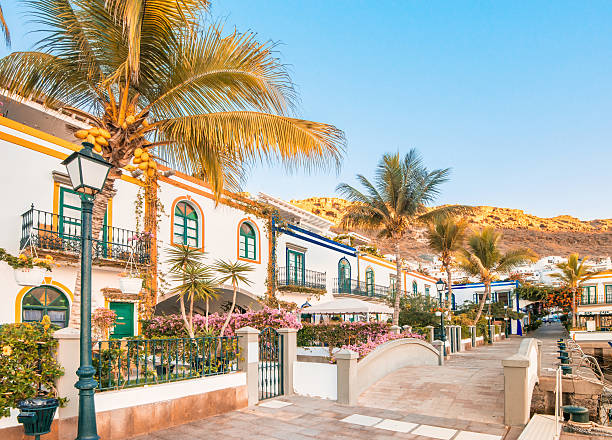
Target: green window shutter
(608, 293)
(344, 276)
(186, 225)
(45, 300)
(248, 242)
(370, 281)
(415, 287)
(295, 267)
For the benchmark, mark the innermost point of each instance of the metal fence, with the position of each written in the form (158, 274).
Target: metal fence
(137, 362)
(301, 278)
(54, 232)
(360, 288)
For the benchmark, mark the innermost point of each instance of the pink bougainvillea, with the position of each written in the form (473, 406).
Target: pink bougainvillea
(172, 325)
(363, 348)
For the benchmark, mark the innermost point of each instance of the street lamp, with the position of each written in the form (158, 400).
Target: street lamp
(506, 320)
(441, 287)
(87, 173)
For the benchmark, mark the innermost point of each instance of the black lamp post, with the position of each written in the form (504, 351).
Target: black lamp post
(441, 287)
(506, 320)
(87, 172)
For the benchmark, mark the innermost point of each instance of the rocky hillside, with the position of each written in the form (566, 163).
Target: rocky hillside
(558, 235)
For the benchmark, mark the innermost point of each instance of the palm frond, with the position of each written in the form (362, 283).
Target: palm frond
(52, 80)
(215, 73)
(246, 137)
(181, 256)
(143, 19)
(233, 271)
(5, 29)
(514, 258)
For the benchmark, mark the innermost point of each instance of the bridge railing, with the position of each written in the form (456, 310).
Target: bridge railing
(521, 373)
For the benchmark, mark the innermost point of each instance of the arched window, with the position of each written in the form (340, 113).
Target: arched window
(248, 242)
(45, 300)
(415, 287)
(344, 276)
(369, 281)
(186, 225)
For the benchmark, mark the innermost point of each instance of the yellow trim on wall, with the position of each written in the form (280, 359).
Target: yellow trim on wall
(42, 149)
(39, 134)
(47, 282)
(378, 260)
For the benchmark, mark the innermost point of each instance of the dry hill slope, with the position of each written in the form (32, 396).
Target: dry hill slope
(558, 235)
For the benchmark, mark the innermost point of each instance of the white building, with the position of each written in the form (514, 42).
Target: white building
(42, 213)
(595, 301)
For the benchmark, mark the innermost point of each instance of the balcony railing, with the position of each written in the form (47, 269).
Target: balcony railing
(354, 287)
(300, 278)
(593, 301)
(52, 232)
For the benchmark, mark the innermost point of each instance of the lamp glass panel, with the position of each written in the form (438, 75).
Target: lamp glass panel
(74, 173)
(94, 173)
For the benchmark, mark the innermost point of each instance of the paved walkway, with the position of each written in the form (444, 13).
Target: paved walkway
(462, 400)
(303, 418)
(470, 386)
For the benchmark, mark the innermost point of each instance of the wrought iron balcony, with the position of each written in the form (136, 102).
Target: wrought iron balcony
(52, 232)
(354, 287)
(300, 278)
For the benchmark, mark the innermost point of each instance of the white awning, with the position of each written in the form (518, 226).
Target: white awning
(347, 305)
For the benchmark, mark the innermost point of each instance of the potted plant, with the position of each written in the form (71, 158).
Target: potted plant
(28, 270)
(130, 283)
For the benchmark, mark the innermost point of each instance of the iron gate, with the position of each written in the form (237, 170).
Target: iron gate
(270, 364)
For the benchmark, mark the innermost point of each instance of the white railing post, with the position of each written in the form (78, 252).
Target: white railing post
(346, 364)
(248, 360)
(289, 357)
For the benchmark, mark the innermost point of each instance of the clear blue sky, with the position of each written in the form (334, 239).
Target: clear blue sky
(515, 96)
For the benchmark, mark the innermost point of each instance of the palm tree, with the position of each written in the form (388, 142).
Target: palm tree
(234, 272)
(573, 272)
(195, 281)
(152, 79)
(5, 30)
(484, 259)
(395, 200)
(446, 235)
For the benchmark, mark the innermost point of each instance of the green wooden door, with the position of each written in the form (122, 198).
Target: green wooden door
(124, 327)
(70, 221)
(295, 265)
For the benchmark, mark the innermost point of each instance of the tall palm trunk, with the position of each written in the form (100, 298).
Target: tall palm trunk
(449, 291)
(191, 332)
(231, 310)
(398, 284)
(483, 301)
(574, 307)
(206, 321)
(184, 315)
(98, 212)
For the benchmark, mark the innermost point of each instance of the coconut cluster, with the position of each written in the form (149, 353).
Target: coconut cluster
(143, 159)
(98, 137)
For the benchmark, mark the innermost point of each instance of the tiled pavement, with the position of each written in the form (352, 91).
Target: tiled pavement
(308, 418)
(470, 386)
(465, 395)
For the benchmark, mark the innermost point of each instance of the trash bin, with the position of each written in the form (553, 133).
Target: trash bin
(36, 415)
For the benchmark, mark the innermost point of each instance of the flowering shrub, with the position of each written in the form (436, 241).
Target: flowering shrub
(339, 334)
(173, 325)
(102, 319)
(363, 348)
(23, 346)
(362, 337)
